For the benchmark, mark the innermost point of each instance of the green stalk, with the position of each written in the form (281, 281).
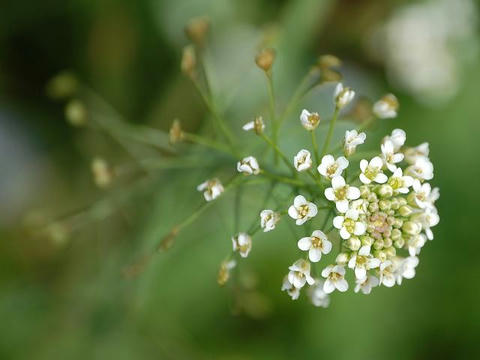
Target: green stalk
(279, 152)
(330, 131)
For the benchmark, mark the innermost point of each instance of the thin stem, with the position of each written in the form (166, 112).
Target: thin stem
(280, 153)
(282, 179)
(271, 98)
(194, 138)
(315, 147)
(330, 131)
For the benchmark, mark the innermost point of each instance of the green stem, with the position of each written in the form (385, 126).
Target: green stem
(283, 179)
(194, 138)
(315, 148)
(271, 98)
(330, 131)
(279, 152)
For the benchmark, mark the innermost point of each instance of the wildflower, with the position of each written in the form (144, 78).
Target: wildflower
(318, 297)
(334, 275)
(224, 271)
(398, 138)
(102, 173)
(421, 194)
(349, 224)
(387, 271)
(265, 59)
(76, 113)
(176, 133)
(415, 243)
(341, 193)
(408, 267)
(415, 153)
(352, 140)
(303, 160)
(268, 220)
(248, 166)
(422, 169)
(361, 262)
(211, 188)
(390, 158)
(242, 243)
(300, 274)
(329, 167)
(315, 245)
(428, 219)
(366, 284)
(290, 289)
(309, 120)
(372, 171)
(386, 107)
(302, 210)
(257, 125)
(400, 183)
(343, 96)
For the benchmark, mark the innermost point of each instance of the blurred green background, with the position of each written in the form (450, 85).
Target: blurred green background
(69, 300)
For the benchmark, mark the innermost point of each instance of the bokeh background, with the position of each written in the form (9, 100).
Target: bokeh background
(64, 297)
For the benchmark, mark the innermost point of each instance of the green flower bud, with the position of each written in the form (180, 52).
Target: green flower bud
(396, 234)
(384, 205)
(354, 243)
(385, 191)
(411, 228)
(405, 210)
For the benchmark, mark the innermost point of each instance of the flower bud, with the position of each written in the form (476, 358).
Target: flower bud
(366, 240)
(372, 198)
(62, 85)
(385, 191)
(396, 234)
(76, 113)
(102, 173)
(402, 201)
(265, 59)
(384, 205)
(342, 258)
(381, 255)
(328, 61)
(394, 203)
(224, 271)
(405, 210)
(373, 207)
(411, 228)
(176, 133)
(364, 192)
(378, 244)
(390, 251)
(189, 61)
(343, 96)
(386, 107)
(354, 243)
(387, 242)
(399, 243)
(197, 29)
(398, 223)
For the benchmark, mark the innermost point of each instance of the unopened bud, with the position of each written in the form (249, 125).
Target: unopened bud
(396, 234)
(366, 240)
(102, 174)
(364, 192)
(411, 228)
(76, 113)
(197, 29)
(342, 258)
(189, 61)
(378, 244)
(328, 61)
(399, 243)
(405, 210)
(176, 133)
(390, 251)
(62, 85)
(381, 255)
(354, 243)
(386, 107)
(387, 242)
(265, 59)
(384, 205)
(385, 191)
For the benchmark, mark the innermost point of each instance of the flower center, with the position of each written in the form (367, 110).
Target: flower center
(371, 172)
(303, 210)
(332, 169)
(334, 276)
(349, 224)
(317, 242)
(341, 193)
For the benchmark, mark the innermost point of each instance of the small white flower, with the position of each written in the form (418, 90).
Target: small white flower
(362, 262)
(329, 167)
(268, 220)
(352, 140)
(360, 205)
(387, 272)
(248, 166)
(415, 244)
(372, 171)
(386, 107)
(318, 297)
(309, 120)
(300, 274)
(343, 96)
(428, 219)
(303, 160)
(211, 188)
(400, 183)
(341, 193)
(419, 152)
(408, 267)
(334, 275)
(422, 169)
(242, 243)
(302, 210)
(422, 193)
(349, 224)
(366, 284)
(316, 245)
(290, 289)
(390, 158)
(258, 125)
(398, 138)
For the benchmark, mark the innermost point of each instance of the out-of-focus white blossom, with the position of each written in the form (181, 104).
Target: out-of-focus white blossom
(343, 96)
(212, 189)
(366, 284)
(303, 160)
(248, 166)
(386, 107)
(268, 220)
(242, 243)
(317, 295)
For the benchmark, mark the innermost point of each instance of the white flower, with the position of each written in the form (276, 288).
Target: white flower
(302, 210)
(317, 296)
(366, 284)
(290, 289)
(428, 219)
(258, 125)
(400, 183)
(268, 220)
(398, 138)
(360, 205)
(300, 274)
(334, 275)
(390, 158)
(362, 262)
(212, 189)
(372, 171)
(315, 245)
(343, 96)
(408, 267)
(419, 152)
(329, 167)
(303, 160)
(387, 273)
(422, 194)
(422, 169)
(242, 243)
(309, 120)
(386, 107)
(415, 243)
(352, 140)
(349, 224)
(249, 166)
(341, 193)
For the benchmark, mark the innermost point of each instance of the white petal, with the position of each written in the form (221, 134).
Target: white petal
(341, 285)
(328, 286)
(364, 179)
(376, 162)
(299, 201)
(338, 182)
(360, 228)
(353, 193)
(363, 165)
(314, 254)
(305, 243)
(327, 246)
(381, 178)
(292, 211)
(360, 273)
(342, 206)
(344, 233)
(330, 194)
(338, 221)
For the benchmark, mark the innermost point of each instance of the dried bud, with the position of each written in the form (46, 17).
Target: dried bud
(167, 242)
(265, 59)
(197, 29)
(102, 174)
(176, 133)
(224, 272)
(62, 85)
(189, 61)
(257, 125)
(76, 113)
